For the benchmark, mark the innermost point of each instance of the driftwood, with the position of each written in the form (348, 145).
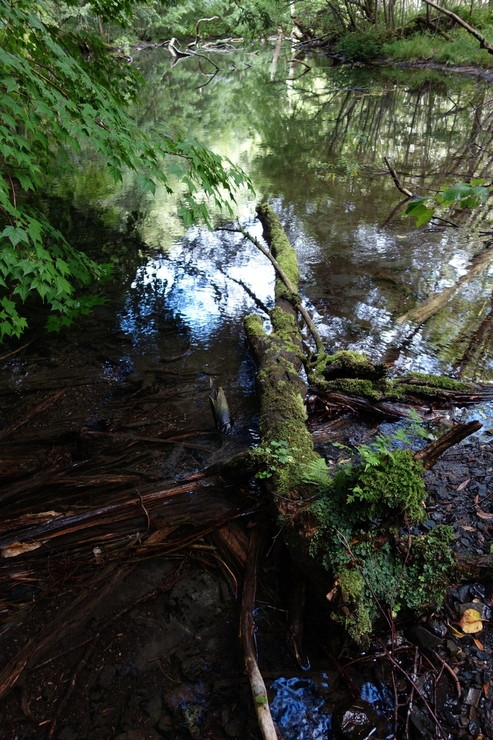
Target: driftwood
(430, 455)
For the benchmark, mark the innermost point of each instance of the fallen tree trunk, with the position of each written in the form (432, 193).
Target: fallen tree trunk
(484, 44)
(324, 517)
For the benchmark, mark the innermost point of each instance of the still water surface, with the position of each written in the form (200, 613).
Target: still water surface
(314, 145)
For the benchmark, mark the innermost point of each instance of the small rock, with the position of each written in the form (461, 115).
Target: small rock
(474, 727)
(358, 722)
(421, 721)
(463, 593)
(477, 591)
(424, 638)
(473, 696)
(437, 627)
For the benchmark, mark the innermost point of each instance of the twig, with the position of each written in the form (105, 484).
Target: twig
(396, 180)
(16, 351)
(420, 693)
(247, 636)
(145, 510)
(155, 440)
(450, 670)
(411, 698)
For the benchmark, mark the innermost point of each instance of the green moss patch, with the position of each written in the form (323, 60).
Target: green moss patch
(360, 514)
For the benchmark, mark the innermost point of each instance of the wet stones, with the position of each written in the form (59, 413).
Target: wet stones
(359, 721)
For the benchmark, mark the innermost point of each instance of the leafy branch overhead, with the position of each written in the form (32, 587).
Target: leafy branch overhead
(60, 91)
(458, 196)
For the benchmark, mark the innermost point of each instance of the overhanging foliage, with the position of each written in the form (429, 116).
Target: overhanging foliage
(62, 90)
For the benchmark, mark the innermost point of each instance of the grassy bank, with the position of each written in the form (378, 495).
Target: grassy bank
(459, 49)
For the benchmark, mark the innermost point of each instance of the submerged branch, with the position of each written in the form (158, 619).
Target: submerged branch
(247, 636)
(396, 180)
(298, 305)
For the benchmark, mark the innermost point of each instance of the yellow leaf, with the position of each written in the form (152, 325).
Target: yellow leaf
(454, 632)
(470, 621)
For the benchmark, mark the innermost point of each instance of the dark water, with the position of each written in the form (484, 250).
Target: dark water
(315, 146)
(313, 142)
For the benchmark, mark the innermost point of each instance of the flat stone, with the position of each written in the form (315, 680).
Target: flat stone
(473, 696)
(423, 637)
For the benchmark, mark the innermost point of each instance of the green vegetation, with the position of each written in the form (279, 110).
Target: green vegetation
(62, 92)
(363, 517)
(364, 31)
(273, 455)
(462, 195)
(361, 47)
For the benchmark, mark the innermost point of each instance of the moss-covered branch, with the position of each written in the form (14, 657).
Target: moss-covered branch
(349, 532)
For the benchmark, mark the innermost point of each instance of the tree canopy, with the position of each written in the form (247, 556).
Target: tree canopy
(61, 89)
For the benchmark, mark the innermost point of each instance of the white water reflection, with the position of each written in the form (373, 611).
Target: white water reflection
(206, 280)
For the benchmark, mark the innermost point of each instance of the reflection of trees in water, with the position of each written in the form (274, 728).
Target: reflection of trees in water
(317, 144)
(430, 130)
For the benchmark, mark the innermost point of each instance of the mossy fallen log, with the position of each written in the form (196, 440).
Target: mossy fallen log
(349, 532)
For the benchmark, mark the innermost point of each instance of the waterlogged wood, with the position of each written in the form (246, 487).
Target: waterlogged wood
(200, 503)
(421, 314)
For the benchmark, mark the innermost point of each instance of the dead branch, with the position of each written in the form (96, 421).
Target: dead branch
(484, 44)
(197, 27)
(449, 670)
(247, 636)
(416, 689)
(430, 455)
(396, 180)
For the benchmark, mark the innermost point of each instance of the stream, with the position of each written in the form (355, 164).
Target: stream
(313, 142)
